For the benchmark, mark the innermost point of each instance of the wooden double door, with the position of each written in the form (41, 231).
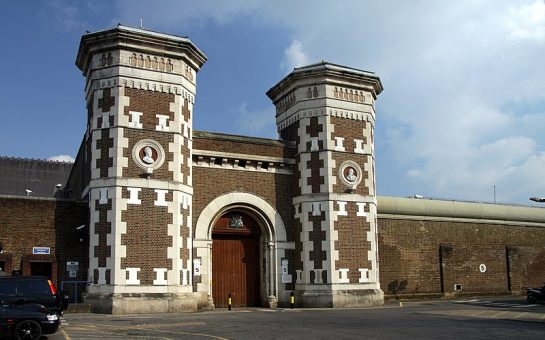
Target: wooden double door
(235, 261)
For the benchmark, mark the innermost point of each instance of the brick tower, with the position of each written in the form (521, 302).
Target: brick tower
(140, 90)
(329, 112)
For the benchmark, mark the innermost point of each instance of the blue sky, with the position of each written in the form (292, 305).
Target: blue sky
(463, 108)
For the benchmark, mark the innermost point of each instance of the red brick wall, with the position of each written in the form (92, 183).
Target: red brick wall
(349, 129)
(352, 244)
(526, 266)
(149, 103)
(411, 254)
(27, 223)
(256, 148)
(146, 239)
(276, 189)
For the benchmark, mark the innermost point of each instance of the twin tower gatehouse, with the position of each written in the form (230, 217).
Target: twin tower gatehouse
(179, 219)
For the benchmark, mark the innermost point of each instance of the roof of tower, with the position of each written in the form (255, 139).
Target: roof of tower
(330, 70)
(325, 65)
(136, 39)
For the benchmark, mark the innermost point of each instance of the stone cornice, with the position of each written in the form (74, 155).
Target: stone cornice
(328, 73)
(134, 39)
(242, 162)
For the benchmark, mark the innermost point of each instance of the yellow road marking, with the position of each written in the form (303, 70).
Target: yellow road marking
(66, 336)
(478, 313)
(498, 314)
(520, 315)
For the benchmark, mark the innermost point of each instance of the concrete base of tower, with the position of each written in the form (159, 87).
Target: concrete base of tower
(140, 303)
(341, 298)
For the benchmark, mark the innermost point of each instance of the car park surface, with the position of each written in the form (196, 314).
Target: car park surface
(504, 318)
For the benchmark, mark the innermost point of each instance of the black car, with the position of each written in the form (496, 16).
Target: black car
(27, 321)
(17, 290)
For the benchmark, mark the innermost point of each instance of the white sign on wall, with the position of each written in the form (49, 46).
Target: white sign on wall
(197, 267)
(285, 277)
(284, 266)
(72, 267)
(482, 268)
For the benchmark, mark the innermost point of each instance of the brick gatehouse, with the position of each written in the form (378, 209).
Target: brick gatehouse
(157, 217)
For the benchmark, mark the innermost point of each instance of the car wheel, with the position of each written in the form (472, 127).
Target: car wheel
(531, 299)
(28, 329)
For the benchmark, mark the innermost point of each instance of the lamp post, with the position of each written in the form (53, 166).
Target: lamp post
(538, 199)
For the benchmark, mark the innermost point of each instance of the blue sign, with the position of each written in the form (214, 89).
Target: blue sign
(41, 250)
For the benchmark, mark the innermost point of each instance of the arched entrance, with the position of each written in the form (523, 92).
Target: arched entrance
(236, 259)
(272, 245)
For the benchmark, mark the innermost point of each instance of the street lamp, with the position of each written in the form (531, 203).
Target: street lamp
(538, 199)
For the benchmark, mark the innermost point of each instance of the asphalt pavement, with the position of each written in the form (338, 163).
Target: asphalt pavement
(499, 318)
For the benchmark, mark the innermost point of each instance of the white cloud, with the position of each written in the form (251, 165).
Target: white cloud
(67, 15)
(62, 158)
(294, 56)
(166, 13)
(527, 21)
(458, 79)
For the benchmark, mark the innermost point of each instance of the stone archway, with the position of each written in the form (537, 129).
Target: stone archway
(273, 241)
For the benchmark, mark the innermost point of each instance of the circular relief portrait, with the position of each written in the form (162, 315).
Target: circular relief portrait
(148, 153)
(350, 174)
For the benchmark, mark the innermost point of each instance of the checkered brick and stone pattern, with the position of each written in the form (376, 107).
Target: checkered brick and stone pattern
(328, 112)
(141, 91)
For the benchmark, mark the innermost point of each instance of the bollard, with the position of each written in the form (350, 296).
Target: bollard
(229, 302)
(292, 300)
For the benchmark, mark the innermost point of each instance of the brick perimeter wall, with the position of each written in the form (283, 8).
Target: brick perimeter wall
(27, 223)
(411, 253)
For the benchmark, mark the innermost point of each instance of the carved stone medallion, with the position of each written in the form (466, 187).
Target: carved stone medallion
(148, 153)
(350, 174)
